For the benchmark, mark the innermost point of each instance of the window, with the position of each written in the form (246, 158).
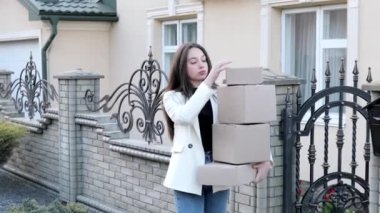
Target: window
(174, 34)
(311, 37)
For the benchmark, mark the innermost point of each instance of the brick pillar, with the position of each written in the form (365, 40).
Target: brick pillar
(5, 78)
(6, 104)
(72, 88)
(374, 176)
(270, 191)
(267, 195)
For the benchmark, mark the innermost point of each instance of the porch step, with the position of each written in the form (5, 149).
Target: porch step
(13, 114)
(98, 117)
(7, 104)
(117, 134)
(109, 126)
(7, 107)
(102, 118)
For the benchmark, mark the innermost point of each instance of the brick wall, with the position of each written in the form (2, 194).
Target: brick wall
(37, 156)
(75, 154)
(122, 181)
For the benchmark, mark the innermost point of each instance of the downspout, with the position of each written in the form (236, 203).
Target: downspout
(54, 22)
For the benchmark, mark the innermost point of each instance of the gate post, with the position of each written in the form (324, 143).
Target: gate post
(288, 139)
(374, 178)
(72, 88)
(270, 193)
(5, 81)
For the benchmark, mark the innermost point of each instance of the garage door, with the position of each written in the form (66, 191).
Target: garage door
(15, 54)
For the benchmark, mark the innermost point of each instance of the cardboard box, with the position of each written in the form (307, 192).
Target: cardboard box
(241, 144)
(225, 174)
(246, 104)
(244, 76)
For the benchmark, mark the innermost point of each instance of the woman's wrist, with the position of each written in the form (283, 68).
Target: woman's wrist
(208, 81)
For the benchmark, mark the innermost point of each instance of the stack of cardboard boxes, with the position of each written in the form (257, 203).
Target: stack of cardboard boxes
(242, 136)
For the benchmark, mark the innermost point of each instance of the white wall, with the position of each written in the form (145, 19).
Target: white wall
(369, 33)
(232, 31)
(77, 44)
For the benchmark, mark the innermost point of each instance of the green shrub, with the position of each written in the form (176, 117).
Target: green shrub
(77, 208)
(31, 206)
(9, 138)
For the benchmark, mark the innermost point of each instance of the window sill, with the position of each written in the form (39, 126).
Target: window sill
(333, 122)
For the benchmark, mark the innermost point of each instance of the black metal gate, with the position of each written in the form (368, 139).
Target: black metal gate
(335, 191)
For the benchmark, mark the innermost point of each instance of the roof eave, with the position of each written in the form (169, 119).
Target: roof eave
(33, 10)
(71, 17)
(36, 14)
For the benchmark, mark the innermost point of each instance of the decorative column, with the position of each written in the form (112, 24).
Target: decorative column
(72, 88)
(270, 192)
(267, 196)
(5, 81)
(374, 176)
(6, 105)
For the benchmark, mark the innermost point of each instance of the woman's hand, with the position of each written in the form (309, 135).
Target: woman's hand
(215, 71)
(262, 170)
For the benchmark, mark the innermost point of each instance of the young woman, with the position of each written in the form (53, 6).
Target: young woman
(191, 109)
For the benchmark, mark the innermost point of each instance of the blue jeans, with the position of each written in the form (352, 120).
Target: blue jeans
(208, 202)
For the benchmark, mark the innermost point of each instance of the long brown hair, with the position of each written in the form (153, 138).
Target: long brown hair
(179, 80)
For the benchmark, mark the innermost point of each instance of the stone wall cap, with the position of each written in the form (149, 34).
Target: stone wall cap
(2, 72)
(78, 74)
(280, 79)
(162, 149)
(373, 86)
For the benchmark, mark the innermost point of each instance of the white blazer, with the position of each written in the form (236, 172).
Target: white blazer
(187, 151)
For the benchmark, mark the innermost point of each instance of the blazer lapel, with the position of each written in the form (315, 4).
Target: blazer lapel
(196, 128)
(214, 105)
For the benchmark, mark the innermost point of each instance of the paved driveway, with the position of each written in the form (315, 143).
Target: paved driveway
(13, 190)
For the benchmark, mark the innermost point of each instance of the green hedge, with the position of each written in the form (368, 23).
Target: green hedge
(9, 138)
(31, 206)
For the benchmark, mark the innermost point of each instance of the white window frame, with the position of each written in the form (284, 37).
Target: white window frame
(173, 49)
(175, 9)
(321, 44)
(166, 49)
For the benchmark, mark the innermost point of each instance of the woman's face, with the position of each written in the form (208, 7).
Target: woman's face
(197, 68)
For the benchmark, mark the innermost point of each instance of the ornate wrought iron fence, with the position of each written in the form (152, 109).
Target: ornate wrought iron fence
(29, 92)
(336, 191)
(143, 93)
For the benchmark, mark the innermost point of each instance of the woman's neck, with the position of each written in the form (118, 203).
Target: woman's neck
(196, 83)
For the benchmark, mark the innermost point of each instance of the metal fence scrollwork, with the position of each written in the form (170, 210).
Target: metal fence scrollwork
(332, 194)
(140, 97)
(29, 92)
(336, 190)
